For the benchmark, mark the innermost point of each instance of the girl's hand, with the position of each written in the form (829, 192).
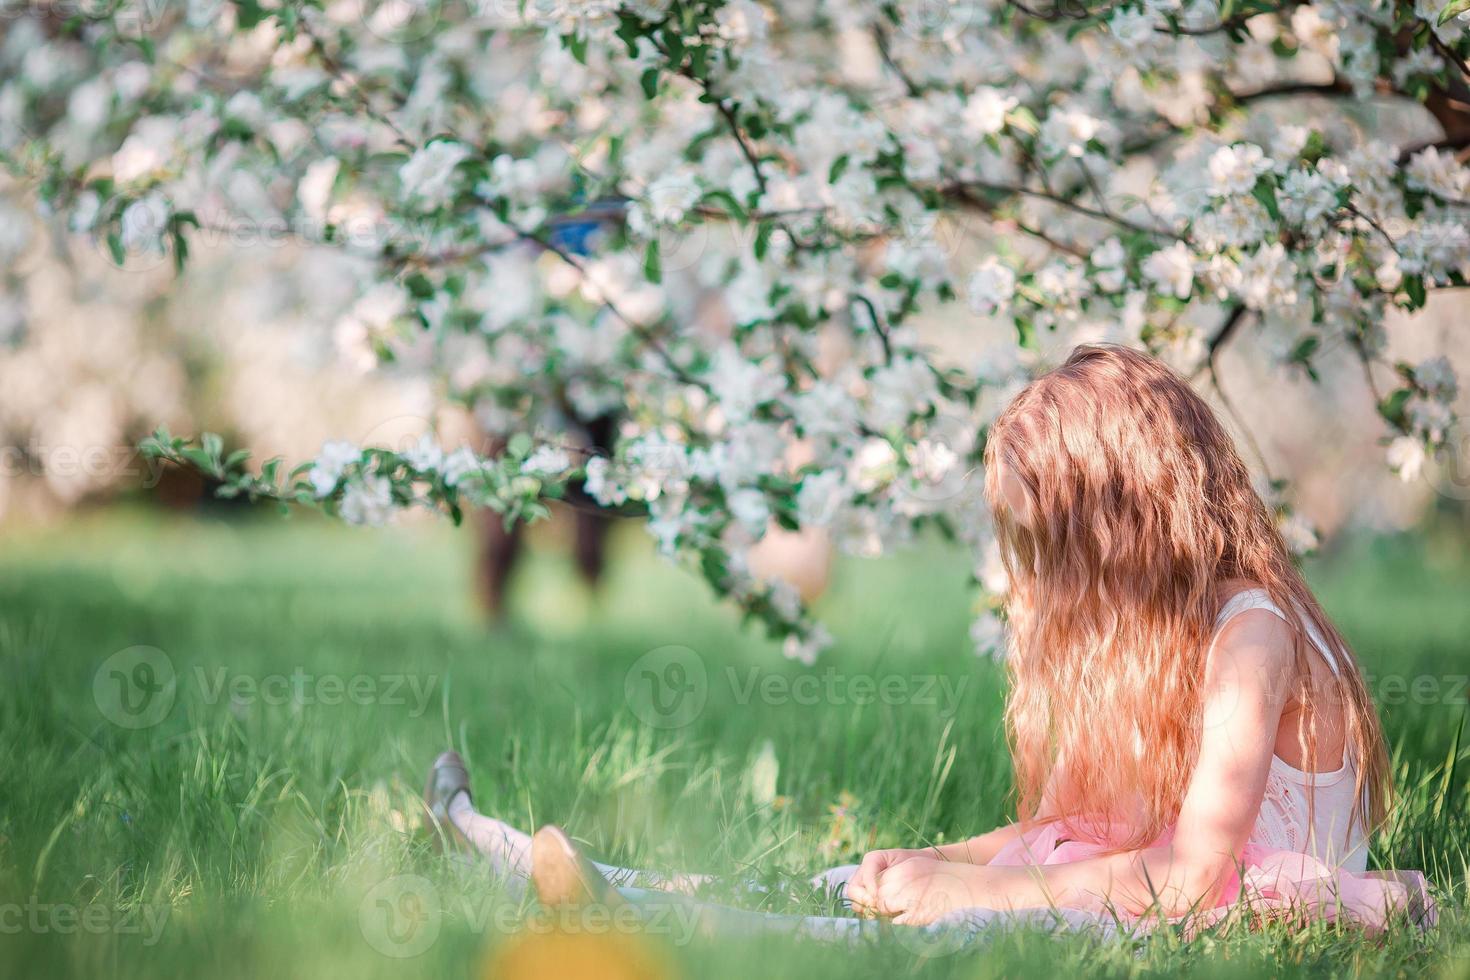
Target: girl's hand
(922, 890)
(862, 888)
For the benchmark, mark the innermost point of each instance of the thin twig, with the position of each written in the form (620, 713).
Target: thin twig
(880, 37)
(1222, 336)
(1071, 206)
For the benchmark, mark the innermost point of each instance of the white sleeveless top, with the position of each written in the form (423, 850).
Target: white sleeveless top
(1332, 834)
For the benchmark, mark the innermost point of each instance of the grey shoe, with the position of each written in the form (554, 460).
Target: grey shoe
(448, 777)
(563, 875)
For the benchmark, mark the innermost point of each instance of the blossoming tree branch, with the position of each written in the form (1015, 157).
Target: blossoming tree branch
(713, 223)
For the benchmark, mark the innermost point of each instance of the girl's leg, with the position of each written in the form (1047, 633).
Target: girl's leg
(507, 849)
(566, 879)
(509, 852)
(664, 900)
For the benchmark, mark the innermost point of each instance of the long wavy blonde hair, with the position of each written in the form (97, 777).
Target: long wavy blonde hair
(1139, 511)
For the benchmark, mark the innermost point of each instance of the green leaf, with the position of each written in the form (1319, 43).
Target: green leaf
(577, 45)
(1414, 286)
(1025, 334)
(1453, 9)
(652, 263)
(1392, 407)
(519, 446)
(763, 239)
(649, 81)
(674, 42)
(248, 14)
(839, 166)
(728, 200)
(199, 459)
(419, 286)
(629, 30)
(1266, 194)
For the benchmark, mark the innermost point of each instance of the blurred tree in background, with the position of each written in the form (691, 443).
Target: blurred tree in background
(696, 261)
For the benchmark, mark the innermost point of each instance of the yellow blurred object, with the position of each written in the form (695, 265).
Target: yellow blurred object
(559, 955)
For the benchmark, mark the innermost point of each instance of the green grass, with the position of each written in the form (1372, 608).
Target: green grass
(256, 835)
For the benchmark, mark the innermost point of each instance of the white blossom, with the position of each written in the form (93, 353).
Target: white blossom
(1406, 457)
(147, 152)
(821, 496)
(898, 391)
(991, 287)
(1235, 169)
(368, 501)
(804, 649)
(1437, 376)
(547, 461)
(985, 111)
(315, 189)
(424, 455)
(825, 410)
(874, 465)
(1298, 533)
(1109, 259)
(429, 175)
(333, 459)
(1439, 173)
(1267, 278)
(1306, 196)
(930, 461)
(600, 483)
(1171, 269)
(748, 506)
(460, 464)
(1068, 131)
(741, 386)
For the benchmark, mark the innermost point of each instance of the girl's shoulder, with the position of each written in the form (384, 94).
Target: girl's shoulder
(1241, 596)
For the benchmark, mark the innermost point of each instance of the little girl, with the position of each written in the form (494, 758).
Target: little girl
(1190, 734)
